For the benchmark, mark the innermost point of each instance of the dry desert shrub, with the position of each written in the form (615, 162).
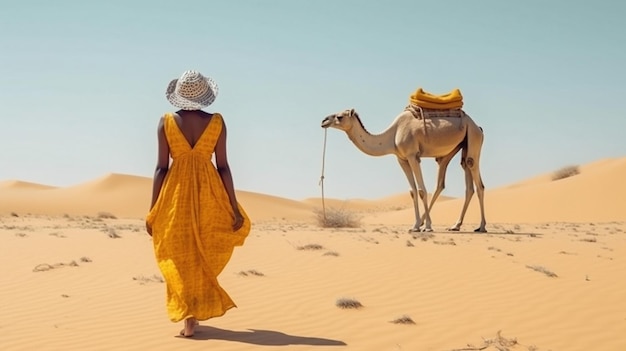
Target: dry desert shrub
(403, 320)
(348, 303)
(337, 218)
(106, 215)
(565, 172)
(499, 343)
(13, 214)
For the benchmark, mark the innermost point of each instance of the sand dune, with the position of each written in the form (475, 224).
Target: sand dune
(547, 276)
(18, 184)
(596, 193)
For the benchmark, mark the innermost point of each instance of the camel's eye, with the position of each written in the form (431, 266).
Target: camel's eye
(339, 118)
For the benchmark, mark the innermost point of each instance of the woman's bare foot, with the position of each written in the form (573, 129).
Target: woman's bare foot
(190, 327)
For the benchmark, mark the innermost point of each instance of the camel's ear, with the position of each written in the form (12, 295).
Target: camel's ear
(352, 112)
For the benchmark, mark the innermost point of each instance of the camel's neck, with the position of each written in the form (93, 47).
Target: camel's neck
(373, 145)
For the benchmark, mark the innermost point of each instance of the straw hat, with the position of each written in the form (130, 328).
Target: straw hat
(192, 91)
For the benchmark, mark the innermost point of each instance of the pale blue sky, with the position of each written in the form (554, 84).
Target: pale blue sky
(82, 85)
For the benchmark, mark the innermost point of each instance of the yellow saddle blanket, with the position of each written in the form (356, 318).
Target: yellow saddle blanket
(450, 101)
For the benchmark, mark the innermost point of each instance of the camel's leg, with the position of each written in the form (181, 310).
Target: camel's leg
(442, 163)
(469, 192)
(480, 192)
(406, 168)
(414, 162)
(475, 139)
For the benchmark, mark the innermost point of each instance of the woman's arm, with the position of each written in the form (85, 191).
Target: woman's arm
(163, 164)
(223, 168)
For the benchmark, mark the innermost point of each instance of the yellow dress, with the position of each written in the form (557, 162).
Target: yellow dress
(192, 226)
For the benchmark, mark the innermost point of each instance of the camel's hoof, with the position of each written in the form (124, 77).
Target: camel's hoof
(414, 230)
(427, 230)
(453, 229)
(480, 230)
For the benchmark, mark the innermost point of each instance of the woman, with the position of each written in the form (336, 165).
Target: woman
(195, 220)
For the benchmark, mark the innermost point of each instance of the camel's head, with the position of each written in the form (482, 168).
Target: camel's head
(342, 120)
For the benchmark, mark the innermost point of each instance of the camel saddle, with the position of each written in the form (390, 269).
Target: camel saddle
(450, 101)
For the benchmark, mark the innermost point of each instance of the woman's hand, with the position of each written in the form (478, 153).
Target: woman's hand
(238, 221)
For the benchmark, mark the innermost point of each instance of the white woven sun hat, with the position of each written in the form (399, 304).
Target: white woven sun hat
(192, 91)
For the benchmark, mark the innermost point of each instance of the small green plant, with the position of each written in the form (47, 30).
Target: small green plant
(337, 218)
(565, 172)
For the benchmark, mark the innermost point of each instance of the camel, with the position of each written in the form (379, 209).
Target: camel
(411, 137)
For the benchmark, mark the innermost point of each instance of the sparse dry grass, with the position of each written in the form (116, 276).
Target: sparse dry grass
(423, 236)
(337, 218)
(151, 279)
(331, 253)
(449, 242)
(311, 247)
(57, 234)
(46, 267)
(499, 343)
(252, 272)
(348, 303)
(566, 172)
(543, 270)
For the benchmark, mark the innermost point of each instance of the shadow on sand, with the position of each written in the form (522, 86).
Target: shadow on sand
(260, 337)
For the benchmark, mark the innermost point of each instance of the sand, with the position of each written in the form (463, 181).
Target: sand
(79, 271)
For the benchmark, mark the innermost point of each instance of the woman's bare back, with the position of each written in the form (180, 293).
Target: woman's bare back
(192, 124)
